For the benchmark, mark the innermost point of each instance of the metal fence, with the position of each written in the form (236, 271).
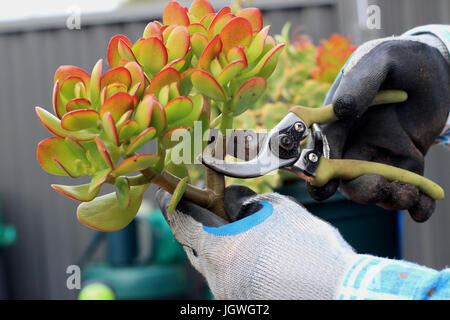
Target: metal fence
(49, 236)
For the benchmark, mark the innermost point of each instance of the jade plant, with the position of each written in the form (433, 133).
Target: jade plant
(196, 67)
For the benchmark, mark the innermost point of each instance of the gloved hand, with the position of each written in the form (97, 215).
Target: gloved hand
(396, 134)
(273, 249)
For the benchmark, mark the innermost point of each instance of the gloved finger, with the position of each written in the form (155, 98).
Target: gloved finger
(361, 80)
(237, 201)
(424, 208)
(187, 220)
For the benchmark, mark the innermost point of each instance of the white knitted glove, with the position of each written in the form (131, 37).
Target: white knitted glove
(279, 252)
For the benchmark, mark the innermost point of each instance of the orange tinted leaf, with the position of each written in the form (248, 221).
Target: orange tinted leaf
(174, 14)
(152, 55)
(201, 8)
(66, 71)
(219, 21)
(117, 105)
(206, 84)
(153, 30)
(237, 32)
(80, 119)
(161, 79)
(117, 75)
(114, 56)
(178, 43)
(254, 16)
(230, 72)
(211, 51)
(56, 158)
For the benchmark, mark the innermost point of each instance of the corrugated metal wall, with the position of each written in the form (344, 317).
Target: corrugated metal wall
(49, 236)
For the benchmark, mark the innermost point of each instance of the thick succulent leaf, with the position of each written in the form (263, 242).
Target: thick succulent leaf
(198, 43)
(159, 120)
(199, 105)
(237, 53)
(211, 51)
(178, 43)
(114, 56)
(137, 78)
(80, 119)
(254, 51)
(77, 149)
(178, 108)
(248, 94)
(167, 140)
(237, 32)
(267, 64)
(166, 31)
(66, 71)
(176, 64)
(164, 94)
(201, 8)
(124, 118)
(215, 67)
(104, 152)
(197, 28)
(55, 148)
(219, 21)
(206, 20)
(94, 157)
(144, 137)
(77, 104)
(99, 179)
(80, 193)
(123, 194)
(174, 90)
(109, 126)
(59, 107)
(125, 51)
(72, 87)
(163, 78)
(152, 55)
(177, 194)
(254, 16)
(175, 14)
(53, 124)
(230, 72)
(117, 75)
(185, 85)
(178, 170)
(128, 130)
(112, 89)
(153, 30)
(143, 114)
(117, 105)
(136, 163)
(104, 213)
(206, 84)
(95, 87)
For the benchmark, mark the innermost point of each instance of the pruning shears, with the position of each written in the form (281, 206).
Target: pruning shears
(298, 145)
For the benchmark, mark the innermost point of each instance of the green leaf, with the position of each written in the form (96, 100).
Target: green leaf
(99, 179)
(104, 213)
(110, 128)
(136, 163)
(128, 130)
(206, 84)
(248, 94)
(80, 193)
(123, 194)
(178, 108)
(144, 137)
(177, 194)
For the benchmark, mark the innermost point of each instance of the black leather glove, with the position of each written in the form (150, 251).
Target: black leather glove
(396, 134)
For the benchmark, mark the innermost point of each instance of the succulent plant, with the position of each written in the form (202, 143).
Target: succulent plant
(164, 82)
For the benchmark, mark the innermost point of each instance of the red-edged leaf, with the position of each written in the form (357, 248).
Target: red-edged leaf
(79, 120)
(123, 194)
(125, 117)
(80, 193)
(95, 87)
(185, 85)
(78, 103)
(237, 32)
(110, 128)
(230, 72)
(237, 53)
(152, 55)
(206, 84)
(169, 140)
(206, 20)
(99, 179)
(211, 51)
(117, 75)
(256, 48)
(197, 28)
(159, 120)
(178, 43)
(267, 63)
(72, 87)
(53, 124)
(66, 71)
(248, 94)
(175, 14)
(153, 30)
(161, 79)
(58, 105)
(114, 56)
(201, 8)
(104, 152)
(143, 114)
(218, 23)
(136, 163)
(125, 51)
(178, 108)
(56, 158)
(128, 130)
(117, 105)
(137, 79)
(144, 137)
(198, 43)
(254, 16)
